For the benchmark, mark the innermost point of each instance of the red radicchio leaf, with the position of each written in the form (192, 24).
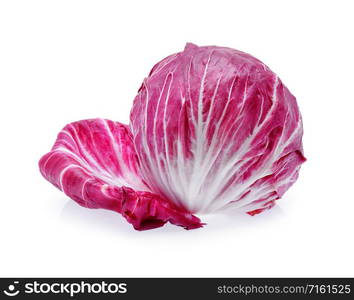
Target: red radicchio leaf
(94, 162)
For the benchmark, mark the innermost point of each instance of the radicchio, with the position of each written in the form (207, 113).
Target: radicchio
(211, 129)
(214, 129)
(94, 163)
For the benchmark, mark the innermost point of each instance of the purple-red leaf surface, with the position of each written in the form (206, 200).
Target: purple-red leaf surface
(214, 129)
(211, 129)
(94, 163)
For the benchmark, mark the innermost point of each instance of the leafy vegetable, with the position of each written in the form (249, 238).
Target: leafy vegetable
(214, 128)
(211, 129)
(95, 164)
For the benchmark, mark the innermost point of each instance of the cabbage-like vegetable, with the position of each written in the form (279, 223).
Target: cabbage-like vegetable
(214, 128)
(94, 163)
(211, 129)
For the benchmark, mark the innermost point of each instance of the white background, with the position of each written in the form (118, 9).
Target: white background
(61, 61)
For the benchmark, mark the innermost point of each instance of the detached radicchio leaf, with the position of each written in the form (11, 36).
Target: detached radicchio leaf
(94, 162)
(214, 129)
